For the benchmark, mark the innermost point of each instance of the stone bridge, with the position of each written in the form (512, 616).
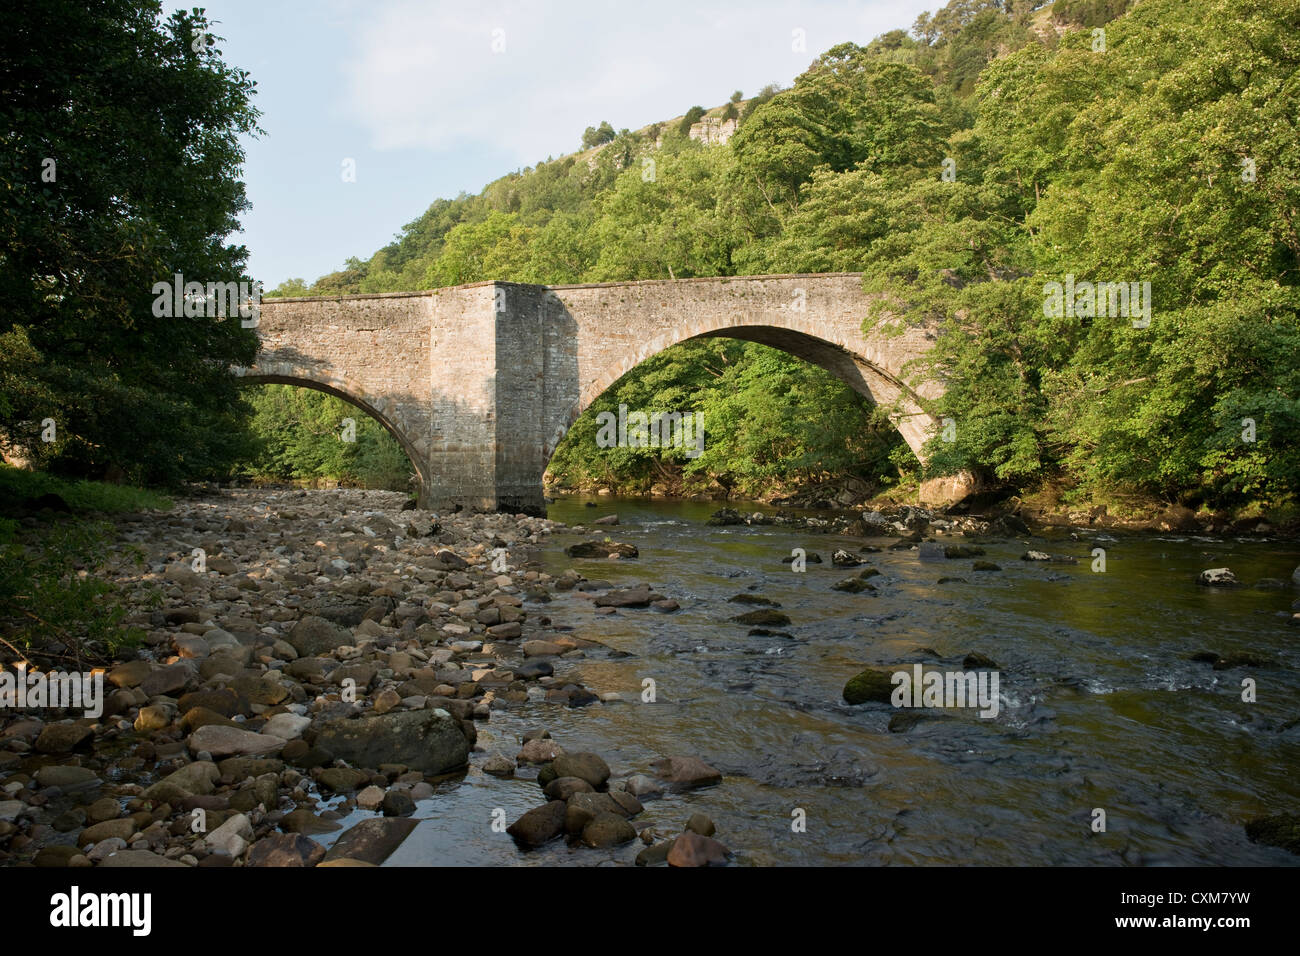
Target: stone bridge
(478, 383)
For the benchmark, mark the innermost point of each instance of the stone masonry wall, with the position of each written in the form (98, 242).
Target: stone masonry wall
(480, 382)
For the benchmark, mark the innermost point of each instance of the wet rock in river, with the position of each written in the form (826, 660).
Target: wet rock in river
(686, 773)
(397, 803)
(1280, 830)
(639, 596)
(303, 820)
(499, 765)
(701, 824)
(539, 750)
(853, 585)
(608, 830)
(1218, 578)
(562, 788)
(642, 787)
(765, 617)
(601, 549)
(539, 825)
(871, 684)
(585, 766)
(691, 849)
(372, 841)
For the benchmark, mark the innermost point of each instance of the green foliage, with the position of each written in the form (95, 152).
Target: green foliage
(772, 423)
(301, 437)
(143, 132)
(1125, 165)
(288, 288)
(764, 96)
(596, 136)
(56, 597)
(1088, 13)
(692, 117)
(18, 485)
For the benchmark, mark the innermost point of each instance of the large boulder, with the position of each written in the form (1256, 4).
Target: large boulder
(585, 766)
(63, 738)
(285, 849)
(313, 636)
(607, 830)
(233, 742)
(693, 849)
(194, 779)
(540, 824)
(430, 741)
(639, 596)
(371, 841)
(869, 685)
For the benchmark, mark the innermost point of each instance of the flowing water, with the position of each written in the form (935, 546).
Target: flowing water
(1101, 707)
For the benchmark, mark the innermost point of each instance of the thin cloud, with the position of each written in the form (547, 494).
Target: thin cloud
(427, 76)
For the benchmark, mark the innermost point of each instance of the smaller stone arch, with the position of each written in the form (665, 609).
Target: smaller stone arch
(356, 397)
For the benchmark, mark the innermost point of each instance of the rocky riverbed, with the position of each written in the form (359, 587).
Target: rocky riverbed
(309, 656)
(329, 679)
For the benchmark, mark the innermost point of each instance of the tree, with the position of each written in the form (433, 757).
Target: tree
(119, 138)
(597, 136)
(692, 117)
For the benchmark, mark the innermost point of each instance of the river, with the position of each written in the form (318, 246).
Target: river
(1101, 706)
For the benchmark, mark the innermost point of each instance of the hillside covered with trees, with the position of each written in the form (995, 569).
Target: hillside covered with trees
(994, 148)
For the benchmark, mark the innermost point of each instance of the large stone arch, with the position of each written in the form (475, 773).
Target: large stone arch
(878, 386)
(817, 318)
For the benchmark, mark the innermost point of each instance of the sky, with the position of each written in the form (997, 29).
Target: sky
(421, 100)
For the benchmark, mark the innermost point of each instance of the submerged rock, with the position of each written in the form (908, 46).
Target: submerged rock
(763, 618)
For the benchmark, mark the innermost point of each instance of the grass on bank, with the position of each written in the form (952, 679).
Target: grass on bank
(18, 485)
(58, 603)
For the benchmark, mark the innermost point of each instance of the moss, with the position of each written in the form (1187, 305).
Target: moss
(871, 684)
(852, 585)
(1280, 830)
